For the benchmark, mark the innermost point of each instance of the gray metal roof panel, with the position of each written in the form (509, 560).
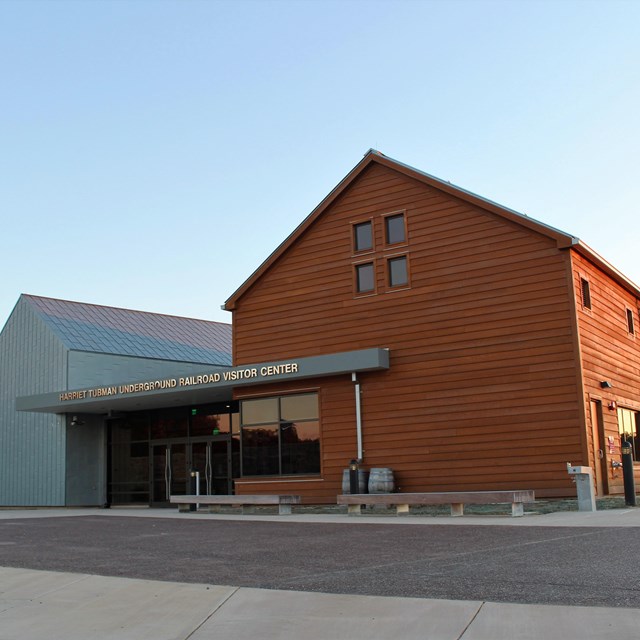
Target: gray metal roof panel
(100, 329)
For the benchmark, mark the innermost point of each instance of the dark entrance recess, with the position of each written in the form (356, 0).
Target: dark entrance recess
(150, 453)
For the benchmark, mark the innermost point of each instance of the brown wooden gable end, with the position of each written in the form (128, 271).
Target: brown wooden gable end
(459, 256)
(373, 157)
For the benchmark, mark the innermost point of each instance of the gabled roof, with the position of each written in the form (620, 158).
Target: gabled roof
(110, 330)
(562, 239)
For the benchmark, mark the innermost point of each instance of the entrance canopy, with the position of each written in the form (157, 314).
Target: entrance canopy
(213, 384)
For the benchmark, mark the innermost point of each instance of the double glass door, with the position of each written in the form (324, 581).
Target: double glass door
(173, 461)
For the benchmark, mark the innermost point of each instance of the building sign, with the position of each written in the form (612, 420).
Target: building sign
(230, 375)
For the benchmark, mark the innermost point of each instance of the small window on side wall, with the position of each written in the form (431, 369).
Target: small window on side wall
(630, 326)
(365, 277)
(398, 271)
(363, 236)
(394, 229)
(586, 293)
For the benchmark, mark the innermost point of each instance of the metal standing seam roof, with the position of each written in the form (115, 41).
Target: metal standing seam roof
(110, 330)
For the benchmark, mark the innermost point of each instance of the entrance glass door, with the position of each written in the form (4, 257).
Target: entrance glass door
(212, 459)
(173, 460)
(169, 476)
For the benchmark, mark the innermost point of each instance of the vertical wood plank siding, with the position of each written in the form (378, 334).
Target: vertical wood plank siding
(32, 445)
(482, 390)
(609, 353)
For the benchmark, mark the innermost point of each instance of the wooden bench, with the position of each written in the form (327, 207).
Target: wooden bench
(457, 500)
(284, 502)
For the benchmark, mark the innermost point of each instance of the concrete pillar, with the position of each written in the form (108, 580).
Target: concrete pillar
(583, 477)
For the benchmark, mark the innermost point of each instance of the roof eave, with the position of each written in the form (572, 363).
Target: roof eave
(594, 257)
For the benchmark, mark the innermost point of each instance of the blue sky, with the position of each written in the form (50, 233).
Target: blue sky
(154, 153)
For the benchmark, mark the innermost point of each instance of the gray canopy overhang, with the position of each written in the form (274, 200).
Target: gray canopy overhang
(213, 384)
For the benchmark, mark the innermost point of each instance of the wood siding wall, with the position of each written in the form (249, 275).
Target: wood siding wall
(482, 392)
(609, 353)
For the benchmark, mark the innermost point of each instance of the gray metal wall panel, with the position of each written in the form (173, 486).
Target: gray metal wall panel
(86, 471)
(32, 445)
(98, 369)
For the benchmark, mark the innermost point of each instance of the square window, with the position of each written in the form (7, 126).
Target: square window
(363, 236)
(398, 271)
(394, 229)
(365, 277)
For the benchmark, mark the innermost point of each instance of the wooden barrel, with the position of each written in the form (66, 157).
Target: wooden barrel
(381, 480)
(363, 481)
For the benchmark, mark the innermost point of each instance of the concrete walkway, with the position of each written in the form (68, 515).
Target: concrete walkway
(39, 605)
(629, 517)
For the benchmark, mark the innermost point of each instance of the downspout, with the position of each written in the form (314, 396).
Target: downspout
(354, 379)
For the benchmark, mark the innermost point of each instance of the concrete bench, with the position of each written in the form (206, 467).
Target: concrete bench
(457, 500)
(284, 502)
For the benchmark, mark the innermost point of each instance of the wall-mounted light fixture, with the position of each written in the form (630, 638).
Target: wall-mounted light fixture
(605, 384)
(612, 406)
(76, 422)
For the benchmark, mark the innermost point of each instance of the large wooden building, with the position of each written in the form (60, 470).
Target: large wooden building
(512, 345)
(406, 323)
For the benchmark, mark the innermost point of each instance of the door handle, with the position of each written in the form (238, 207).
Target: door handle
(167, 473)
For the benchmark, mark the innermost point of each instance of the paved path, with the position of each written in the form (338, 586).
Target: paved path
(317, 583)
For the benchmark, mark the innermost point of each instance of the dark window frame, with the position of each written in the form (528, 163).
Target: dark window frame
(633, 436)
(354, 236)
(631, 330)
(281, 425)
(402, 285)
(585, 293)
(395, 214)
(356, 280)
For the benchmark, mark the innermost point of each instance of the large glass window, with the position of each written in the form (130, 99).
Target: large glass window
(128, 473)
(260, 450)
(287, 446)
(260, 411)
(169, 423)
(628, 422)
(209, 421)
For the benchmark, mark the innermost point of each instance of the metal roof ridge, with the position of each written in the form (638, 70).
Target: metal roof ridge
(136, 311)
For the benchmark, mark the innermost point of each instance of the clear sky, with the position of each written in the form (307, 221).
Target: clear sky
(154, 153)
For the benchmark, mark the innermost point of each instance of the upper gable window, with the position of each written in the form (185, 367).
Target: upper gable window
(394, 229)
(365, 277)
(586, 293)
(630, 326)
(398, 271)
(363, 236)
